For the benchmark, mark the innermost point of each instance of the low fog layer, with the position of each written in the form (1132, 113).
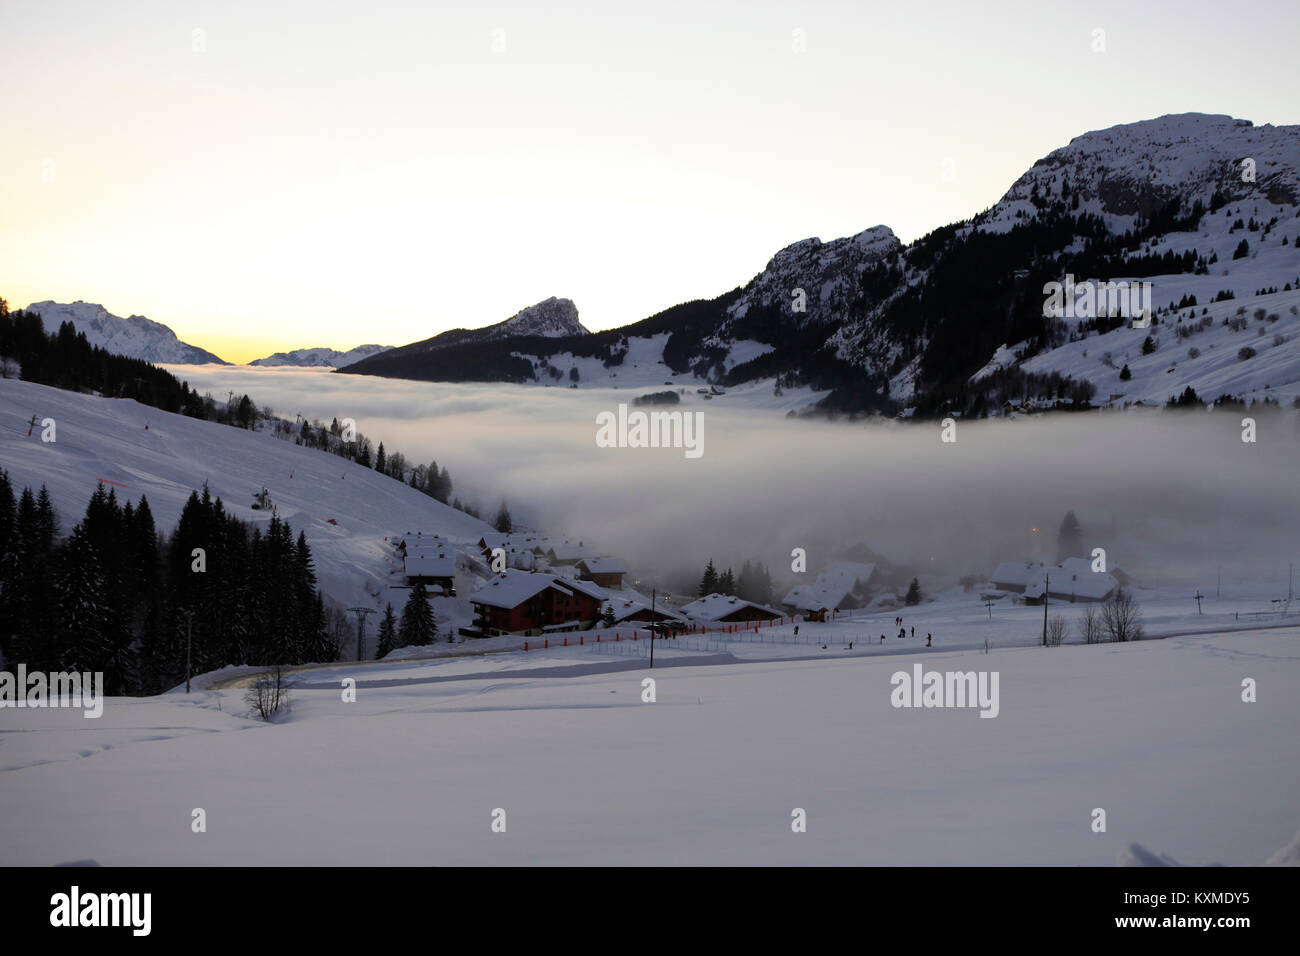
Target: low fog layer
(1171, 498)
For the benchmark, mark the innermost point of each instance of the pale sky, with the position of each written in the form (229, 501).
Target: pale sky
(336, 173)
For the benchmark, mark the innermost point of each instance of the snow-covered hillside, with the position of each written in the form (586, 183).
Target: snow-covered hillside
(345, 509)
(135, 336)
(321, 357)
(1211, 353)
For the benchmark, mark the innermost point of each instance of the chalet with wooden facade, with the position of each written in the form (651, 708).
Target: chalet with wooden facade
(519, 602)
(607, 572)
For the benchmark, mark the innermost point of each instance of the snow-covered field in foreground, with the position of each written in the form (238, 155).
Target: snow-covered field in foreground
(1155, 733)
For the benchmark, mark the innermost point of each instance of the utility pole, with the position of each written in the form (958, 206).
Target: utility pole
(652, 628)
(1047, 586)
(189, 647)
(361, 613)
(1197, 595)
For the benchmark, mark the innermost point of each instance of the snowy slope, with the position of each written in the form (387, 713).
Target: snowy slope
(135, 337)
(1154, 732)
(1208, 359)
(318, 357)
(103, 438)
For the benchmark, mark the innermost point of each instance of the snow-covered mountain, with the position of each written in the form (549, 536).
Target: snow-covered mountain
(134, 336)
(318, 357)
(1135, 169)
(815, 279)
(1202, 207)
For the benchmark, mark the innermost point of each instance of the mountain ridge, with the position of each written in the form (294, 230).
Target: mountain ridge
(134, 336)
(873, 325)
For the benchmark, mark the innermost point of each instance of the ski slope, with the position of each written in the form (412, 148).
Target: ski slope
(106, 439)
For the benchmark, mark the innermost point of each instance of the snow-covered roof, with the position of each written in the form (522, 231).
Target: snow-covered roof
(1015, 573)
(440, 565)
(832, 587)
(1072, 576)
(567, 551)
(603, 566)
(711, 607)
(511, 588)
(623, 609)
(815, 596)
(586, 587)
(857, 572)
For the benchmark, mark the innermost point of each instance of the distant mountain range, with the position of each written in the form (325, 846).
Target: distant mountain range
(321, 356)
(135, 336)
(1201, 206)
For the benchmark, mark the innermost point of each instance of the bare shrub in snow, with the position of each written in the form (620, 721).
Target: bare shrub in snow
(269, 693)
(1121, 618)
(1090, 629)
(1193, 352)
(1245, 352)
(1056, 628)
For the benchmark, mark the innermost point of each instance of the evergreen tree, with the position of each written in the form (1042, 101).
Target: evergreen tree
(418, 626)
(913, 593)
(363, 453)
(85, 645)
(607, 617)
(246, 414)
(745, 582)
(381, 460)
(727, 583)
(387, 634)
(1069, 538)
(1125, 374)
(709, 583)
(503, 523)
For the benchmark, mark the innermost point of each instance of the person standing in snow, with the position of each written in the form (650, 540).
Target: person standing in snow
(927, 640)
(914, 630)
